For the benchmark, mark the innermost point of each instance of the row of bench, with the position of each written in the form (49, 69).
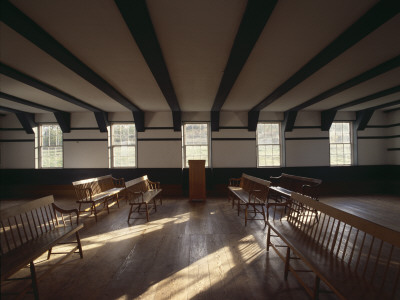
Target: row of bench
(355, 258)
(31, 229)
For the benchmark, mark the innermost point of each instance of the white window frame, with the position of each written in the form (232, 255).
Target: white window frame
(341, 145)
(207, 144)
(278, 144)
(126, 143)
(39, 147)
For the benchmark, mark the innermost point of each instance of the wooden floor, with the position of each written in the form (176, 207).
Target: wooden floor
(187, 251)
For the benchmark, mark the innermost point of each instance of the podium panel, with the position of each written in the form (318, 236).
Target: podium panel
(197, 180)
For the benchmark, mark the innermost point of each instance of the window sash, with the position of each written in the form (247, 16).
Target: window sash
(340, 144)
(195, 143)
(49, 147)
(122, 140)
(268, 145)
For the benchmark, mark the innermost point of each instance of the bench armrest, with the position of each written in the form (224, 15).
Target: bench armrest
(154, 184)
(234, 181)
(136, 194)
(62, 211)
(119, 182)
(311, 191)
(275, 180)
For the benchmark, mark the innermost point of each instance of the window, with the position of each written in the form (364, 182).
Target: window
(268, 145)
(122, 145)
(340, 144)
(48, 146)
(195, 144)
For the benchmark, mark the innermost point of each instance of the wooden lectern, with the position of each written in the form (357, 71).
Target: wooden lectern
(197, 180)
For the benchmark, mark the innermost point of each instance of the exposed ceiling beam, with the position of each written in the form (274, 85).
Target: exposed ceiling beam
(253, 22)
(63, 118)
(389, 104)
(374, 72)
(379, 14)
(362, 118)
(289, 120)
(392, 110)
(327, 118)
(27, 120)
(137, 18)
(369, 98)
(21, 77)
(26, 27)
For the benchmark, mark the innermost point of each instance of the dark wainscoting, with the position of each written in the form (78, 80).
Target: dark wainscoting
(29, 183)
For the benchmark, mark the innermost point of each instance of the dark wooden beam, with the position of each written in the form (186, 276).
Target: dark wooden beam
(137, 18)
(139, 120)
(22, 24)
(327, 118)
(289, 120)
(27, 120)
(379, 14)
(177, 120)
(21, 77)
(374, 72)
(369, 98)
(389, 104)
(102, 120)
(215, 120)
(253, 22)
(362, 118)
(253, 120)
(63, 118)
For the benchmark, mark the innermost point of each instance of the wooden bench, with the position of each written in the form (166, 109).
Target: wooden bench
(29, 230)
(355, 258)
(283, 186)
(142, 195)
(96, 191)
(250, 192)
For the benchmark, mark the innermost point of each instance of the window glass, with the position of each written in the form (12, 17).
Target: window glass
(195, 143)
(340, 144)
(122, 145)
(48, 146)
(268, 145)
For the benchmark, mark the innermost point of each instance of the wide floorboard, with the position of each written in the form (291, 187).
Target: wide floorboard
(188, 250)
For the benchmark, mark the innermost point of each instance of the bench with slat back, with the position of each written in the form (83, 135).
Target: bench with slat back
(355, 258)
(99, 190)
(282, 186)
(142, 195)
(29, 230)
(250, 192)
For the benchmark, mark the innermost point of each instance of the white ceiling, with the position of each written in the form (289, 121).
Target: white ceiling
(196, 38)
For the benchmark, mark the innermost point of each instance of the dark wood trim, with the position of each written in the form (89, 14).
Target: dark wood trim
(27, 120)
(26, 102)
(233, 127)
(376, 71)
(369, 98)
(16, 141)
(233, 139)
(305, 138)
(85, 128)
(102, 120)
(375, 17)
(383, 126)
(306, 127)
(13, 129)
(392, 110)
(159, 139)
(159, 128)
(26, 27)
(137, 18)
(253, 119)
(393, 149)
(378, 137)
(396, 102)
(85, 140)
(253, 22)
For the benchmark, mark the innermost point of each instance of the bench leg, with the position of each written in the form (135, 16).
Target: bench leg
(245, 214)
(130, 212)
(316, 287)
(287, 262)
(34, 280)
(93, 209)
(78, 240)
(268, 237)
(147, 212)
(49, 253)
(155, 204)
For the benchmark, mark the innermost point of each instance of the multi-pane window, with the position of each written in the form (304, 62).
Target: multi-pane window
(268, 145)
(340, 144)
(122, 145)
(195, 143)
(48, 146)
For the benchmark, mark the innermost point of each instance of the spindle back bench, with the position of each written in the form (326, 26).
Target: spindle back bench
(354, 257)
(29, 230)
(98, 190)
(250, 192)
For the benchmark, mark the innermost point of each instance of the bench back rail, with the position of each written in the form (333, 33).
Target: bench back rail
(86, 189)
(303, 185)
(370, 251)
(21, 224)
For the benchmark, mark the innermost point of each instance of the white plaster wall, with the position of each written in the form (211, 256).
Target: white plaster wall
(83, 154)
(234, 154)
(154, 154)
(306, 153)
(19, 155)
